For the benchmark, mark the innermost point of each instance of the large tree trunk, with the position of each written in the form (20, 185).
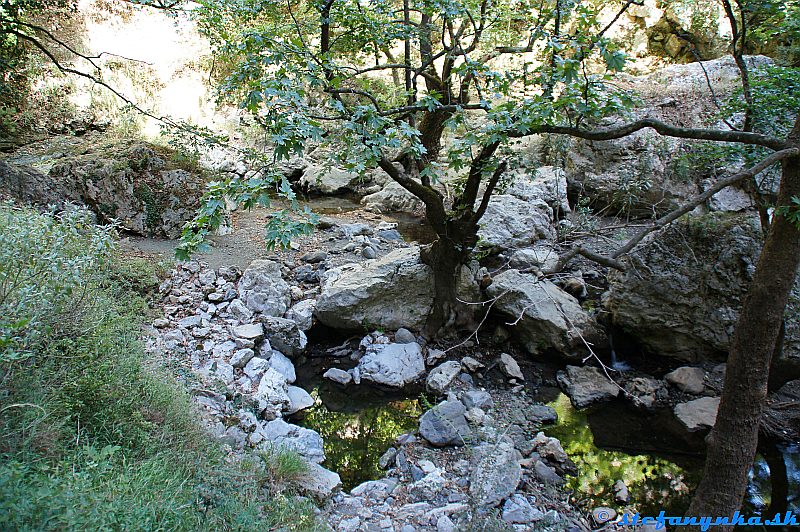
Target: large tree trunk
(446, 256)
(732, 443)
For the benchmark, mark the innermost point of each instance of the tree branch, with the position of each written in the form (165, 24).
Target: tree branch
(675, 214)
(668, 130)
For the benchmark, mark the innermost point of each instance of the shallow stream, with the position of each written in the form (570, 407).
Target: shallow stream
(608, 442)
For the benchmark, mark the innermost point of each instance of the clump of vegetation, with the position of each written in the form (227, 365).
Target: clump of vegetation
(93, 435)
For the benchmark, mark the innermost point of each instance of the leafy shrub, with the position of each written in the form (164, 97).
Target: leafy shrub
(93, 434)
(47, 263)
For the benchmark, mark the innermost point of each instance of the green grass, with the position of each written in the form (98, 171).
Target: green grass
(94, 435)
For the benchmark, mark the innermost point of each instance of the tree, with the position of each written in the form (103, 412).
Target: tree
(306, 72)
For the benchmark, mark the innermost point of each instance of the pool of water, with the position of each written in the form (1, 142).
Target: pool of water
(659, 463)
(357, 423)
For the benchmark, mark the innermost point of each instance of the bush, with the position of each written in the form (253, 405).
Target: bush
(93, 435)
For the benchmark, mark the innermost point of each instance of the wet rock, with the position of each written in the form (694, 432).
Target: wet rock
(699, 414)
(496, 473)
(392, 365)
(586, 385)
(477, 399)
(687, 379)
(510, 367)
(445, 424)
(441, 377)
(518, 510)
(551, 318)
(299, 399)
(338, 375)
(285, 336)
(262, 289)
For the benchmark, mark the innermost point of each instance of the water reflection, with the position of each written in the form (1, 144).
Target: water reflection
(357, 426)
(656, 482)
(660, 466)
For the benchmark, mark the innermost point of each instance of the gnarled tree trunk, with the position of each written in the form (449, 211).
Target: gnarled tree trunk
(446, 256)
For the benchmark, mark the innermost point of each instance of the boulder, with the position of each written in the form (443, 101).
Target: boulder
(299, 399)
(586, 385)
(496, 473)
(551, 318)
(687, 379)
(682, 294)
(321, 180)
(285, 336)
(394, 365)
(318, 483)
(699, 414)
(392, 198)
(338, 375)
(139, 185)
(262, 289)
(391, 292)
(510, 222)
(445, 424)
(303, 441)
(441, 377)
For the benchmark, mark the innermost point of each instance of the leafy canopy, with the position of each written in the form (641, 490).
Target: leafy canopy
(334, 74)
